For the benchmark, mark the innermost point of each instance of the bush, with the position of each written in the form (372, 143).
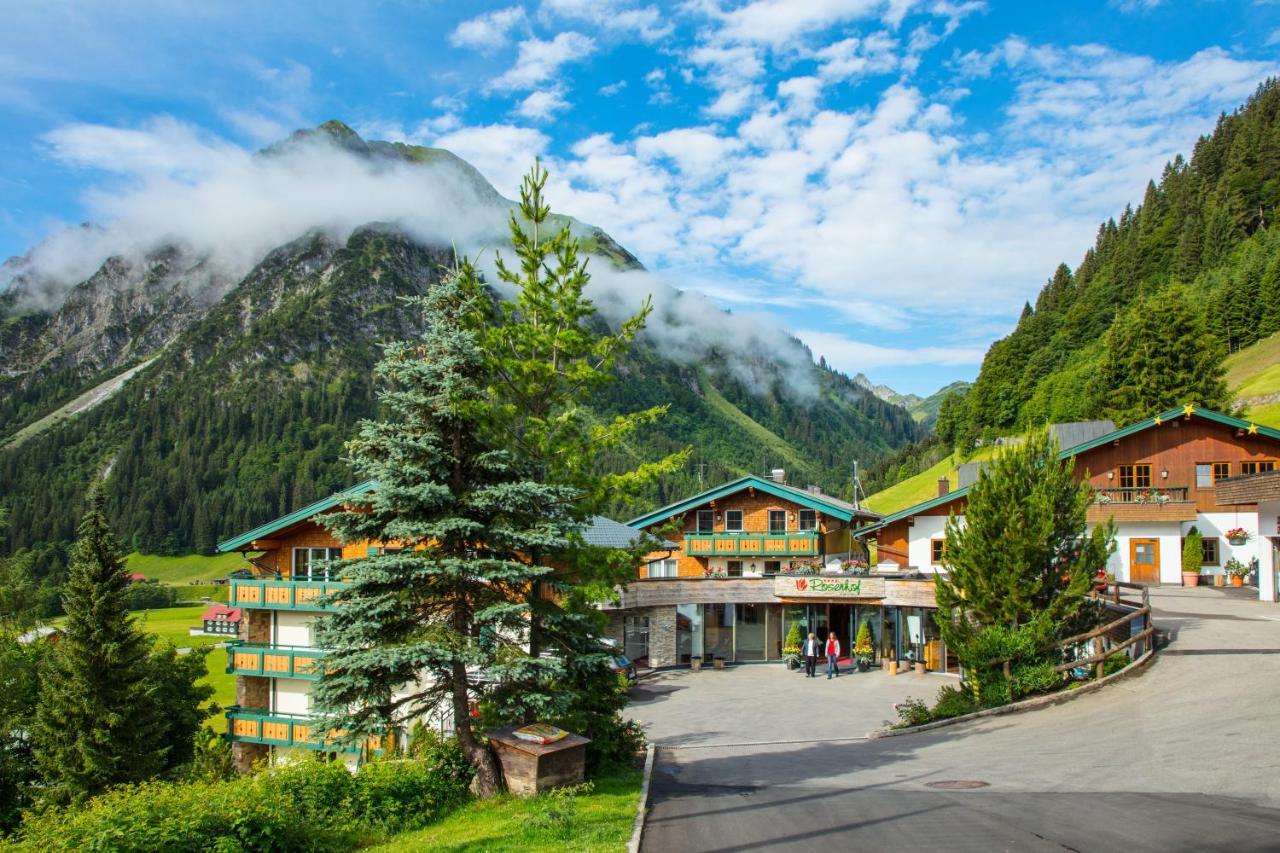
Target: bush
(912, 712)
(150, 595)
(1192, 552)
(954, 702)
(307, 805)
(1115, 663)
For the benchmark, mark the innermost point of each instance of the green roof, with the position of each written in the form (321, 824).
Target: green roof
(815, 501)
(242, 541)
(1147, 423)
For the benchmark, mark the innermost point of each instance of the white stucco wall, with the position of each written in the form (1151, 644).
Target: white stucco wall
(1218, 523)
(925, 529)
(1268, 526)
(293, 629)
(291, 696)
(1168, 533)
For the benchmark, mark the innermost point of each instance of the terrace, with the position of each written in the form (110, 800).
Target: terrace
(273, 661)
(253, 725)
(282, 594)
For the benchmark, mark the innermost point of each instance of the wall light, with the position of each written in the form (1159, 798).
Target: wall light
(1164, 473)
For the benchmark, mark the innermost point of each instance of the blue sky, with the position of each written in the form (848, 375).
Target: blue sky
(888, 180)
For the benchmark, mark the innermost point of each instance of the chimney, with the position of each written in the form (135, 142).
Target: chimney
(778, 475)
(815, 490)
(944, 486)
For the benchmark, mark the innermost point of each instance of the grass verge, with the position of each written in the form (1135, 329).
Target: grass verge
(184, 569)
(595, 822)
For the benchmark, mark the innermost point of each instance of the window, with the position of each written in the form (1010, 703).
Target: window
(668, 568)
(1204, 475)
(312, 564)
(777, 521)
(937, 548)
(1221, 471)
(706, 520)
(772, 567)
(808, 519)
(1247, 468)
(1135, 476)
(734, 568)
(733, 521)
(1209, 551)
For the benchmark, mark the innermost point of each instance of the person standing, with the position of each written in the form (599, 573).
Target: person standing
(810, 652)
(833, 655)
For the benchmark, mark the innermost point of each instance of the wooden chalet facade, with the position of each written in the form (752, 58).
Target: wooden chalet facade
(1156, 479)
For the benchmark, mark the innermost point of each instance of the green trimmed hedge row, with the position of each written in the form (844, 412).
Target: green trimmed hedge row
(310, 805)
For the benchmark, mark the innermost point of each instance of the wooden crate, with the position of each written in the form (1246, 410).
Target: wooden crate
(531, 768)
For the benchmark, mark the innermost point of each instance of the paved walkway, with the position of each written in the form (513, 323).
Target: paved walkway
(1184, 756)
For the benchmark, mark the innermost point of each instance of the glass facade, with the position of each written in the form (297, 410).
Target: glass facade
(688, 632)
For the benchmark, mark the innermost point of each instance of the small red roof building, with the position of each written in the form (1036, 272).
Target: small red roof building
(220, 613)
(134, 577)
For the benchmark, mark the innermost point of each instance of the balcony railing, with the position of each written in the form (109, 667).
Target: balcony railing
(281, 594)
(752, 544)
(251, 725)
(1149, 495)
(274, 661)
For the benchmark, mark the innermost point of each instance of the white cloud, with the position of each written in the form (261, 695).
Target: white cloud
(1131, 6)
(502, 152)
(489, 31)
(612, 89)
(539, 61)
(853, 356)
(542, 105)
(645, 22)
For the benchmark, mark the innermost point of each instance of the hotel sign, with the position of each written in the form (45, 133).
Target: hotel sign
(828, 586)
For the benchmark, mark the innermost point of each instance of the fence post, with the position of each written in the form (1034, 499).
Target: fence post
(1097, 650)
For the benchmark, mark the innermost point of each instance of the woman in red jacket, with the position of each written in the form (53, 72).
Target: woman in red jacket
(833, 655)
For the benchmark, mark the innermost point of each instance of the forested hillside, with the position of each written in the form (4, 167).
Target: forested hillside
(242, 412)
(1188, 276)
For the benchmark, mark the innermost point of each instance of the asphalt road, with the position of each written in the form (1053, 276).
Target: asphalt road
(1184, 756)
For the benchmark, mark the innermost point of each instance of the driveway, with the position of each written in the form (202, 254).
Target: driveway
(1181, 757)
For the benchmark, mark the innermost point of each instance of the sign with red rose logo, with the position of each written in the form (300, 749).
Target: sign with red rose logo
(801, 584)
(828, 586)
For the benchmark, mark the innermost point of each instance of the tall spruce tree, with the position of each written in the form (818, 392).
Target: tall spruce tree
(1021, 559)
(428, 623)
(1158, 355)
(96, 720)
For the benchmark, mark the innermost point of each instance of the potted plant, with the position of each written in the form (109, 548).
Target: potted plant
(863, 650)
(1236, 570)
(1192, 555)
(791, 646)
(1237, 536)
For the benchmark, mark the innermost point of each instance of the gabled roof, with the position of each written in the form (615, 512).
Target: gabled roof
(815, 501)
(607, 533)
(220, 611)
(243, 541)
(1190, 410)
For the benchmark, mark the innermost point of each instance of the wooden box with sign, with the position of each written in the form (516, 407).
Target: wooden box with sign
(538, 758)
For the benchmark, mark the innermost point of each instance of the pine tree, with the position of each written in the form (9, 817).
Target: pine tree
(1021, 554)
(96, 720)
(1157, 355)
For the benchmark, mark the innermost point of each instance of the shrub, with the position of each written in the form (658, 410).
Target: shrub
(307, 805)
(913, 712)
(151, 595)
(954, 702)
(1115, 663)
(791, 646)
(1192, 551)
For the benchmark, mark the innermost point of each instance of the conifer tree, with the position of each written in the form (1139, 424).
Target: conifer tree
(97, 719)
(1021, 555)
(1157, 355)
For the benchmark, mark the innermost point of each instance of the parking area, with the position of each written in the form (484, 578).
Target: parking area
(766, 703)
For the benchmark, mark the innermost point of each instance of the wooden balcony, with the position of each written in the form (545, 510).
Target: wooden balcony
(251, 725)
(263, 659)
(281, 594)
(752, 544)
(1168, 503)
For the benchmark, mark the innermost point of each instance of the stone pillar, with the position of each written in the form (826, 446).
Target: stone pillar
(662, 636)
(245, 756)
(252, 691)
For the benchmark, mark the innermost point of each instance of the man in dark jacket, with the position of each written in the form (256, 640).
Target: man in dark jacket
(812, 648)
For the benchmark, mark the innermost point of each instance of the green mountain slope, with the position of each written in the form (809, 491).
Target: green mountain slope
(1208, 224)
(241, 408)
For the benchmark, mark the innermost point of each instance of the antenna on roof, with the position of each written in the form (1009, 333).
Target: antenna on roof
(857, 487)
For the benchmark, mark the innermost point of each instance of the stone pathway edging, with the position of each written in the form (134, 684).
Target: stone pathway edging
(642, 807)
(1025, 705)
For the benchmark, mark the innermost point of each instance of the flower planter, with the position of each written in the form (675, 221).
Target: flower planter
(695, 664)
(719, 663)
(919, 667)
(1191, 579)
(1219, 580)
(1238, 540)
(1236, 580)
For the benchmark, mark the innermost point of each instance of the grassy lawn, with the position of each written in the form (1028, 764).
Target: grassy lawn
(598, 821)
(922, 486)
(183, 570)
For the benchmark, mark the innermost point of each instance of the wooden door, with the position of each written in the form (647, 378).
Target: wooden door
(1144, 561)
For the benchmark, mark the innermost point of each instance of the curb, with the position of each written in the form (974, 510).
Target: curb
(1025, 705)
(642, 807)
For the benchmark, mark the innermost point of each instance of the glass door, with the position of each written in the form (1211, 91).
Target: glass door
(635, 644)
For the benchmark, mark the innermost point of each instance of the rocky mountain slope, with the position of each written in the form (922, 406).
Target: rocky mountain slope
(251, 381)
